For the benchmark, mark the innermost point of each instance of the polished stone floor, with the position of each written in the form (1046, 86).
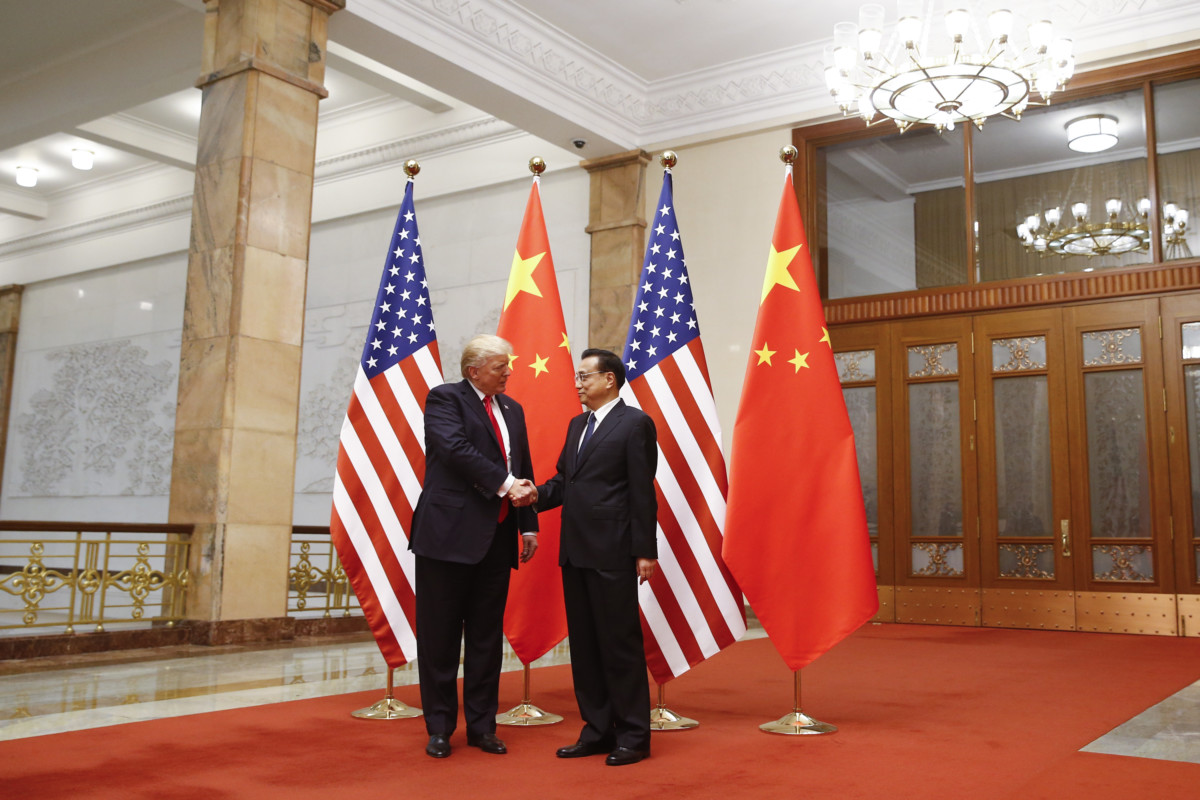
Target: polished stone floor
(52, 695)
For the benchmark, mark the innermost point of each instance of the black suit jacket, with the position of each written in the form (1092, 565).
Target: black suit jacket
(606, 491)
(455, 517)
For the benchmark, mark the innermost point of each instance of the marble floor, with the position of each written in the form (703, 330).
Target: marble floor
(53, 695)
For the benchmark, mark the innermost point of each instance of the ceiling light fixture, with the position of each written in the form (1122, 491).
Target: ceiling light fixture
(1092, 134)
(27, 177)
(970, 73)
(82, 159)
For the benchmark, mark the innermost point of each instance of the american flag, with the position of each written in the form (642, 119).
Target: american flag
(381, 453)
(692, 608)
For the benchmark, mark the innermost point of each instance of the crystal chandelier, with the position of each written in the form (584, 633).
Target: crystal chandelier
(973, 71)
(1112, 236)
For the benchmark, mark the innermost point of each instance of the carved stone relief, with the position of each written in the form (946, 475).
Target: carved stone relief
(101, 422)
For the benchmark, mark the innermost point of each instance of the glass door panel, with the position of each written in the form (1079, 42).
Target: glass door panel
(1181, 367)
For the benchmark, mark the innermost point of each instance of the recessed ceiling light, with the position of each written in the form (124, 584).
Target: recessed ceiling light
(27, 176)
(82, 159)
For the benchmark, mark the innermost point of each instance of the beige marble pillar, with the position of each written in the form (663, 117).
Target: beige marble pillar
(10, 319)
(239, 375)
(617, 224)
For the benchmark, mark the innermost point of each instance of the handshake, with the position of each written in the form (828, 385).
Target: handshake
(522, 493)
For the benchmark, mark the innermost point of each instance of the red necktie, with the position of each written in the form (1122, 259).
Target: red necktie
(487, 405)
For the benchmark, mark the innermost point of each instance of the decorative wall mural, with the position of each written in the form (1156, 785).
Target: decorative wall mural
(101, 424)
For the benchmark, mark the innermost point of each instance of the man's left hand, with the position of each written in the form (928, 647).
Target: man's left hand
(528, 546)
(645, 569)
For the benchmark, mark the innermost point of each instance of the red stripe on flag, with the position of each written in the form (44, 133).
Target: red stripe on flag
(680, 546)
(370, 517)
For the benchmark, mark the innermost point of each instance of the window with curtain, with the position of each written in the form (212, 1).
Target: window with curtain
(1177, 127)
(1047, 204)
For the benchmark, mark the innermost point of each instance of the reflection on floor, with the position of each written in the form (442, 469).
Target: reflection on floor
(54, 695)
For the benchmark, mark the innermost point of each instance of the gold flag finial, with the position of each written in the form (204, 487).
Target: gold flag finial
(412, 167)
(536, 165)
(788, 154)
(668, 159)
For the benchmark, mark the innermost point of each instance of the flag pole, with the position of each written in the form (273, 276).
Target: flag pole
(797, 723)
(389, 707)
(664, 719)
(527, 713)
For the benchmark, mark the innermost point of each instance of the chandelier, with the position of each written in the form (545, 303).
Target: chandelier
(1112, 236)
(974, 71)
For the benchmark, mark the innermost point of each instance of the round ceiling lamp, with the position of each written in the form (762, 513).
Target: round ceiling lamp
(27, 176)
(1092, 134)
(81, 158)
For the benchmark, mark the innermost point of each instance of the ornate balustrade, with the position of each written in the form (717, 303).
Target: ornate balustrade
(55, 576)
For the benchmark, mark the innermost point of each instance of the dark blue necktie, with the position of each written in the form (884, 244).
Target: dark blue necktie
(587, 432)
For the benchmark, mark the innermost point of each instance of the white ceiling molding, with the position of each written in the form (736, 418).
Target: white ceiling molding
(467, 135)
(133, 135)
(501, 42)
(107, 225)
(23, 204)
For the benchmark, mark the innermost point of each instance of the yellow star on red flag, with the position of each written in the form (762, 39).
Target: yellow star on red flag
(764, 355)
(520, 277)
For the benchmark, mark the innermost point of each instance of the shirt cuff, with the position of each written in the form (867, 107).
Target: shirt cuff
(507, 485)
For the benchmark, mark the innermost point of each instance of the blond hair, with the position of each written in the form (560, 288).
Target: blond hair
(482, 347)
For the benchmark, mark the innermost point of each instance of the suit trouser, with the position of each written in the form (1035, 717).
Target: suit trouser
(457, 604)
(608, 658)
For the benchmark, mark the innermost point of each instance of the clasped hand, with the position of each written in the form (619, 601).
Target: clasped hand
(522, 493)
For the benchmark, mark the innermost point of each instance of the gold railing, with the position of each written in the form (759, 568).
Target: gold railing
(64, 574)
(317, 584)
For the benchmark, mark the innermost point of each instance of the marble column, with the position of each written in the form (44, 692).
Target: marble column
(235, 430)
(617, 224)
(10, 318)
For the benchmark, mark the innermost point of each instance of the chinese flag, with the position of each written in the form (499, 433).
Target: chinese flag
(543, 382)
(796, 529)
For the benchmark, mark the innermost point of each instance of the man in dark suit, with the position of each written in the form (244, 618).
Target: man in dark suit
(473, 509)
(605, 485)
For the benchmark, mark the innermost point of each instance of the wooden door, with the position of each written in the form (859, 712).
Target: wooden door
(1181, 368)
(936, 517)
(1120, 523)
(863, 355)
(1024, 471)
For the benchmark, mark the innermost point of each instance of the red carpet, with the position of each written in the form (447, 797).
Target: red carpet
(923, 712)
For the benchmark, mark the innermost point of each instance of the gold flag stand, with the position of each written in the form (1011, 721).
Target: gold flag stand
(797, 723)
(664, 719)
(527, 713)
(389, 707)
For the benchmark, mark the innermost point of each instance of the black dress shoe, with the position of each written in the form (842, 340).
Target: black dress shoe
(438, 747)
(581, 749)
(488, 743)
(625, 755)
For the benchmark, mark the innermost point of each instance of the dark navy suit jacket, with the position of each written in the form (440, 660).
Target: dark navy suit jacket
(606, 491)
(455, 517)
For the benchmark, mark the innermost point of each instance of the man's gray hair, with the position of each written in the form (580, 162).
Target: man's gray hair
(482, 347)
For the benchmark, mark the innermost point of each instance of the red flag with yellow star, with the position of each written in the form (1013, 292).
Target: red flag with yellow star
(543, 382)
(795, 528)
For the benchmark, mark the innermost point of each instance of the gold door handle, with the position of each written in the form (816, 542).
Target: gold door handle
(1064, 526)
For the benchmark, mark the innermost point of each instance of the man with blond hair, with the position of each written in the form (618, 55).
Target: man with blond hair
(473, 510)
